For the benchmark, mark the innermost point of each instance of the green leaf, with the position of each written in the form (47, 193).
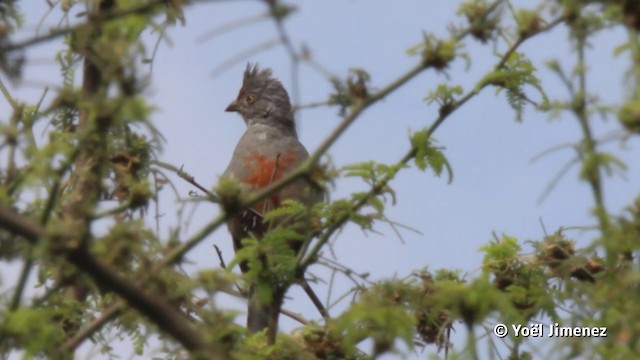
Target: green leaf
(516, 72)
(289, 208)
(364, 170)
(429, 156)
(621, 48)
(444, 94)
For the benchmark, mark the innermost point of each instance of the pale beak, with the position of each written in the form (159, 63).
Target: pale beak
(233, 107)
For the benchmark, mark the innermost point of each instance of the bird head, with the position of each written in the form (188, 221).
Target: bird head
(262, 99)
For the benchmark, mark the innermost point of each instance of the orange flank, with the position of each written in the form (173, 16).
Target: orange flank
(265, 171)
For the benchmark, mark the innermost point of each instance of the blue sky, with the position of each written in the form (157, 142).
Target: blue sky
(496, 187)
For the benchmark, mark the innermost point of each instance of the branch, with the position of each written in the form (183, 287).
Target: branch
(20, 225)
(157, 309)
(171, 258)
(106, 16)
(314, 298)
(44, 219)
(85, 182)
(594, 177)
(91, 328)
(279, 12)
(116, 309)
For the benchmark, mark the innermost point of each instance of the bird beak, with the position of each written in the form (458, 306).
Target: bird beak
(233, 107)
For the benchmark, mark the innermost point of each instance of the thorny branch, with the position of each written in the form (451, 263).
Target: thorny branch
(168, 318)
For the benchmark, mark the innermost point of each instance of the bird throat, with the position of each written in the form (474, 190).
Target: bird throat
(273, 124)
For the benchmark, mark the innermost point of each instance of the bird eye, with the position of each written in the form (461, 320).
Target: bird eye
(249, 99)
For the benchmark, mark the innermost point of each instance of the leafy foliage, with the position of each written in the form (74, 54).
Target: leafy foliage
(75, 205)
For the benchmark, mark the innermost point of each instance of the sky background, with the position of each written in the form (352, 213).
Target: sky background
(496, 186)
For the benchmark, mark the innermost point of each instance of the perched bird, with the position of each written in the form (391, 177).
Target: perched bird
(267, 151)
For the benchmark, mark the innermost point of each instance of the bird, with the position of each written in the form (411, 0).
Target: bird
(268, 150)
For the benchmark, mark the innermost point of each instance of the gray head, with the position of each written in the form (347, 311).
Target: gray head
(263, 99)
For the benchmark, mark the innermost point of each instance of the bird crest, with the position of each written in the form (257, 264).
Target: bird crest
(256, 79)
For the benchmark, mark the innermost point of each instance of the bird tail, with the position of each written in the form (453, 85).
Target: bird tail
(262, 316)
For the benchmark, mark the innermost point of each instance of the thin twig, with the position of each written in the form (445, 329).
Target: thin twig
(22, 281)
(551, 150)
(243, 55)
(293, 56)
(314, 299)
(219, 253)
(312, 105)
(230, 26)
(581, 112)
(161, 35)
(44, 16)
(556, 179)
(186, 176)
(7, 95)
(294, 316)
(112, 312)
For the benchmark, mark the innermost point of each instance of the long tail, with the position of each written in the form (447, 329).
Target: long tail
(264, 316)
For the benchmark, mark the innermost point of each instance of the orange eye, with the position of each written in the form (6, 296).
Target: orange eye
(249, 99)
